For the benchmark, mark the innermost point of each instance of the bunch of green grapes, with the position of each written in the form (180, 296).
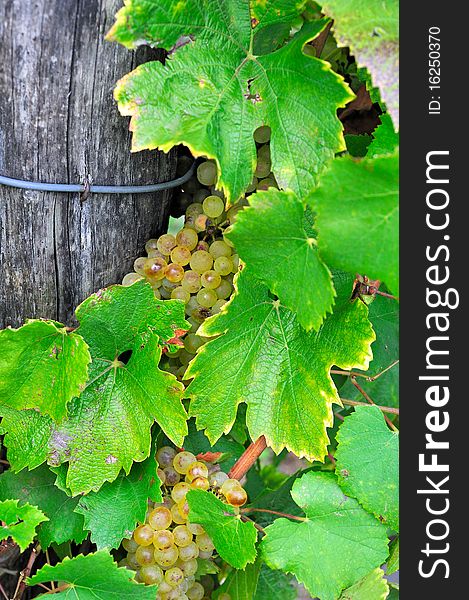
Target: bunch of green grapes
(166, 548)
(197, 264)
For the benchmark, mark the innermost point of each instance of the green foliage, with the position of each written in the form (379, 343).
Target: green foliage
(108, 426)
(42, 367)
(270, 237)
(393, 561)
(20, 522)
(93, 577)
(282, 372)
(241, 584)
(214, 106)
(38, 488)
(358, 217)
(371, 29)
(368, 463)
(112, 513)
(336, 545)
(371, 587)
(234, 540)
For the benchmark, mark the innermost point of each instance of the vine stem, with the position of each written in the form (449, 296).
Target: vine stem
(364, 375)
(21, 585)
(2, 591)
(367, 397)
(385, 409)
(61, 588)
(248, 458)
(248, 520)
(273, 512)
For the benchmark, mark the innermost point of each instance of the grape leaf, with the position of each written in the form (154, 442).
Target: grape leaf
(196, 442)
(108, 426)
(270, 237)
(263, 357)
(279, 500)
(274, 585)
(368, 463)
(336, 545)
(384, 316)
(42, 367)
(241, 584)
(358, 217)
(234, 540)
(20, 522)
(392, 564)
(373, 586)
(37, 488)
(371, 29)
(385, 139)
(93, 577)
(112, 513)
(214, 105)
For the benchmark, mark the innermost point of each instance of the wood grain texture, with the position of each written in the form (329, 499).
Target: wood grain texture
(59, 123)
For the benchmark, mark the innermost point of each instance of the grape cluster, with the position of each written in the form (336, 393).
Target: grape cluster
(164, 550)
(198, 263)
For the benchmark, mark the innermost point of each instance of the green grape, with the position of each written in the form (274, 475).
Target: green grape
(182, 461)
(196, 592)
(216, 308)
(202, 245)
(132, 561)
(179, 491)
(230, 484)
(172, 476)
(192, 305)
(204, 543)
(182, 536)
(185, 357)
(265, 184)
(235, 260)
(211, 279)
(189, 222)
(217, 479)
(166, 243)
(168, 285)
(189, 552)
(174, 273)
(213, 206)
(163, 539)
(143, 535)
(227, 241)
(205, 555)
(194, 325)
(165, 456)
(174, 576)
(219, 248)
(224, 596)
(180, 373)
(208, 582)
(201, 261)
(167, 500)
(161, 476)
(195, 208)
(262, 134)
(157, 294)
(151, 246)
(154, 253)
(123, 563)
(177, 516)
(223, 265)
(264, 163)
(207, 172)
(166, 558)
(188, 567)
(200, 195)
(264, 152)
(180, 293)
(163, 293)
(193, 342)
(236, 497)
(131, 278)
(196, 469)
(163, 590)
(151, 574)
(144, 555)
(224, 289)
(200, 223)
(187, 238)
(191, 280)
(183, 507)
(139, 265)
(160, 518)
(180, 256)
(200, 483)
(206, 297)
(232, 213)
(155, 268)
(201, 313)
(195, 528)
(129, 545)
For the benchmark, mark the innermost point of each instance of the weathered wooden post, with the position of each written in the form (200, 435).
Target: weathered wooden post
(59, 123)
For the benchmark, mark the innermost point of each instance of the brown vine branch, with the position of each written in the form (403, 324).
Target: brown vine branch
(248, 520)
(385, 409)
(364, 375)
(25, 573)
(248, 458)
(61, 588)
(273, 512)
(368, 399)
